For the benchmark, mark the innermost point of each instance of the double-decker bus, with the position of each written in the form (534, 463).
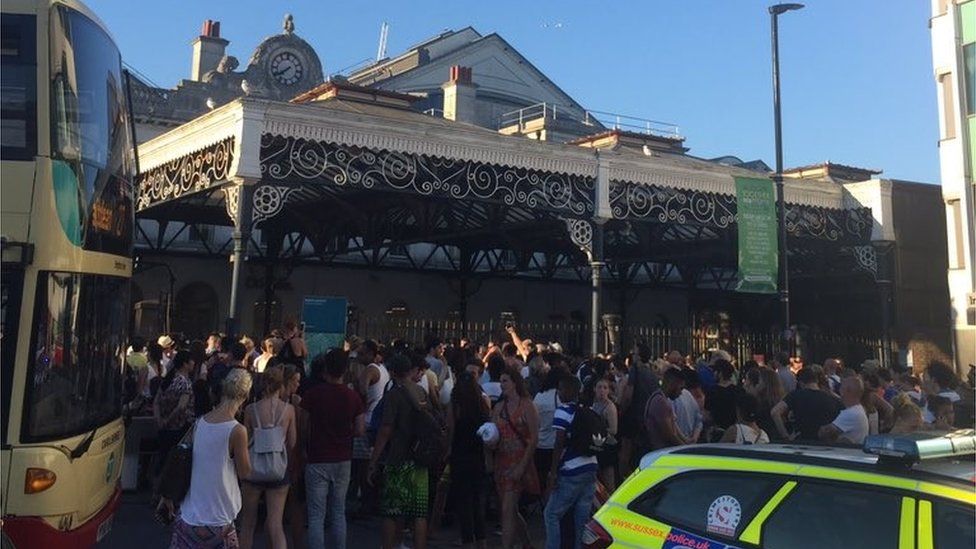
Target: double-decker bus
(66, 219)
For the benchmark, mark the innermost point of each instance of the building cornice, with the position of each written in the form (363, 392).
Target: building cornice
(457, 142)
(202, 132)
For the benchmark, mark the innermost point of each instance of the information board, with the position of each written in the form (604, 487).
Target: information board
(325, 323)
(758, 243)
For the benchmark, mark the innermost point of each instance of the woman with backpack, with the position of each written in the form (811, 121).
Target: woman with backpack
(271, 423)
(468, 410)
(515, 473)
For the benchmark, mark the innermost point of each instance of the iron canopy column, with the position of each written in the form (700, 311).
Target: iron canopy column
(596, 276)
(238, 196)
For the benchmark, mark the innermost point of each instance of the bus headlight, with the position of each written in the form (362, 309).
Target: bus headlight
(37, 480)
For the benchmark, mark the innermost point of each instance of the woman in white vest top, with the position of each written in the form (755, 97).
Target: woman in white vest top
(220, 457)
(269, 417)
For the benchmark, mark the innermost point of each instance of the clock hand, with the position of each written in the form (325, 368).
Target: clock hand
(279, 72)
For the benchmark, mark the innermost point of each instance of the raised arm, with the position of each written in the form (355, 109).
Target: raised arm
(519, 342)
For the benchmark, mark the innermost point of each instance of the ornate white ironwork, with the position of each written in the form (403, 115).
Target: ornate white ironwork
(232, 199)
(581, 233)
(268, 201)
(193, 172)
(867, 258)
(300, 160)
(630, 200)
(829, 224)
(671, 205)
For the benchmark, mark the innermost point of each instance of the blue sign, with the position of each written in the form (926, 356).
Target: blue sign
(325, 323)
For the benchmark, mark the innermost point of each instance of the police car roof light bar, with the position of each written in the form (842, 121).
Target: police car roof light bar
(916, 447)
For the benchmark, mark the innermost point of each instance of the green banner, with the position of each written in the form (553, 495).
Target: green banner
(758, 245)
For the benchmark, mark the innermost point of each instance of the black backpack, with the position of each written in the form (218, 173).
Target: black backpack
(430, 442)
(587, 432)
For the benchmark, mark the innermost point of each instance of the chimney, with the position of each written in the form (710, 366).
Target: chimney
(208, 50)
(459, 95)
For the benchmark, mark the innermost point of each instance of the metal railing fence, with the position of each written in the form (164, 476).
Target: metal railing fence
(813, 345)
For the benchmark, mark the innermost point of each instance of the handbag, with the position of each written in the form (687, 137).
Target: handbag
(269, 458)
(174, 480)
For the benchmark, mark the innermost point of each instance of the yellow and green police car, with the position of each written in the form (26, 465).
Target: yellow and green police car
(897, 492)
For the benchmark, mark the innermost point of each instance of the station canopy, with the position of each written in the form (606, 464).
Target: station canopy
(368, 182)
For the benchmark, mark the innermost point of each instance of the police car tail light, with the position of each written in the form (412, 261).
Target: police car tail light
(915, 447)
(595, 536)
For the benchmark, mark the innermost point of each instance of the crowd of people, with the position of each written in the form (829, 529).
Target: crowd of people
(508, 429)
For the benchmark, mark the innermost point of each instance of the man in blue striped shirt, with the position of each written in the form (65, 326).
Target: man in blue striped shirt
(572, 480)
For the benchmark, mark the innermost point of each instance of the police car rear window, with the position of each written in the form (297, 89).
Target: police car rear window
(817, 515)
(955, 526)
(714, 503)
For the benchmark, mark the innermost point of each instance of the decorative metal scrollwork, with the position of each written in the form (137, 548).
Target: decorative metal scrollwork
(232, 200)
(671, 205)
(812, 221)
(268, 201)
(581, 234)
(289, 158)
(193, 172)
(829, 224)
(681, 206)
(867, 259)
(859, 222)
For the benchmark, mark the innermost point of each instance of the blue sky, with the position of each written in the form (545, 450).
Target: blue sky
(857, 79)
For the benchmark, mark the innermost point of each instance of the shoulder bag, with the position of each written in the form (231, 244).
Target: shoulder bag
(174, 480)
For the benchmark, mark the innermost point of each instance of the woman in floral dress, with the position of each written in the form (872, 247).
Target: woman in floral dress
(518, 426)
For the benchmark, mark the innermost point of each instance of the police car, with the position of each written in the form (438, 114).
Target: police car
(898, 492)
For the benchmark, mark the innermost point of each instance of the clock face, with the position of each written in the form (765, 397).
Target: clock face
(286, 68)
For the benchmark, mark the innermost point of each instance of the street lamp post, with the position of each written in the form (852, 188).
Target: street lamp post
(784, 282)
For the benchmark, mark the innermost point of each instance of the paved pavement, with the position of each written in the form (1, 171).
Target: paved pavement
(134, 527)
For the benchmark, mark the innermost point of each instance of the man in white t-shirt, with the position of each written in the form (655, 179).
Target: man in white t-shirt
(851, 424)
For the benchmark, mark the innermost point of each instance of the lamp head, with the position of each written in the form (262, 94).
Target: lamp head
(783, 8)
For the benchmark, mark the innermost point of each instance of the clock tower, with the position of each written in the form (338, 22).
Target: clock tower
(283, 66)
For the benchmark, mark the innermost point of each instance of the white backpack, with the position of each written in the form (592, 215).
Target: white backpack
(269, 457)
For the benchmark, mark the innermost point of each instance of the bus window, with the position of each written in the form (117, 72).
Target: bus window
(18, 88)
(90, 135)
(74, 382)
(11, 286)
